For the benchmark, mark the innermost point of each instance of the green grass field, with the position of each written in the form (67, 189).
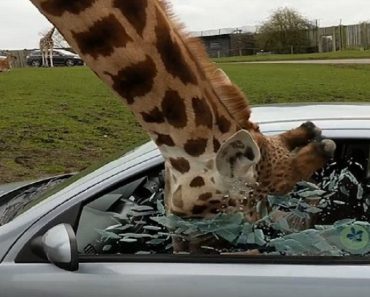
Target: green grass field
(64, 119)
(278, 83)
(347, 54)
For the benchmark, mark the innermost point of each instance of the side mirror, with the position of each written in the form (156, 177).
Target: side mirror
(59, 245)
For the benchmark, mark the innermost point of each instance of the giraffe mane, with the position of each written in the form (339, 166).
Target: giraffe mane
(230, 95)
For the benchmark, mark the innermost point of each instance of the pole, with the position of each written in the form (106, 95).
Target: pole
(340, 36)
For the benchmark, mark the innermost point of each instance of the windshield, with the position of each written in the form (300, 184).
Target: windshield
(15, 202)
(65, 52)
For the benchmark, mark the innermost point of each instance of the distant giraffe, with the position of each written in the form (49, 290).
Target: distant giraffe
(46, 48)
(216, 160)
(6, 64)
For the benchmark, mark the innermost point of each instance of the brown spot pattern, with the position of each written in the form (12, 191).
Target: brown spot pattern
(135, 12)
(154, 116)
(199, 209)
(203, 114)
(171, 53)
(102, 37)
(163, 139)
(136, 80)
(196, 147)
(214, 202)
(180, 164)
(197, 182)
(223, 124)
(205, 196)
(216, 145)
(59, 7)
(174, 109)
(232, 203)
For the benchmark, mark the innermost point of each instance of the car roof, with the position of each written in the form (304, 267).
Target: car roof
(302, 112)
(336, 120)
(63, 51)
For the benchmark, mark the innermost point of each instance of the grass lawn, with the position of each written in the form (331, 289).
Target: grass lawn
(278, 83)
(64, 119)
(59, 120)
(347, 54)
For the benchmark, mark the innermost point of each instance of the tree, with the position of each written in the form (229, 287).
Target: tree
(59, 41)
(286, 31)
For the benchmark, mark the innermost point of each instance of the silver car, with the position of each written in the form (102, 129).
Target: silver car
(103, 232)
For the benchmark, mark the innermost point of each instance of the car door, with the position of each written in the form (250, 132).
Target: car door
(119, 258)
(58, 58)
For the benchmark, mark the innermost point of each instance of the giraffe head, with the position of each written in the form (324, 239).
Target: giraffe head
(222, 182)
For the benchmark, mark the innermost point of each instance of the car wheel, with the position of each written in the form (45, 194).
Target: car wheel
(35, 63)
(70, 63)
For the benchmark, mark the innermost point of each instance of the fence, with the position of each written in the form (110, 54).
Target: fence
(21, 56)
(357, 36)
(341, 37)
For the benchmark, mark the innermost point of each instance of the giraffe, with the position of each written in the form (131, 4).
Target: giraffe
(6, 64)
(216, 159)
(46, 48)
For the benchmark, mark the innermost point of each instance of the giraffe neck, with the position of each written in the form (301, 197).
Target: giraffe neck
(166, 80)
(47, 42)
(136, 50)
(50, 34)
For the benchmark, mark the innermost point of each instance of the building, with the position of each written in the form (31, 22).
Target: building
(229, 42)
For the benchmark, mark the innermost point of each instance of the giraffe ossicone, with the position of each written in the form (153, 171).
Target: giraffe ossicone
(198, 118)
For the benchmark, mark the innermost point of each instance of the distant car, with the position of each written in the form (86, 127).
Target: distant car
(60, 58)
(76, 223)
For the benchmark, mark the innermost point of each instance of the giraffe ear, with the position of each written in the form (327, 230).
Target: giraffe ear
(237, 155)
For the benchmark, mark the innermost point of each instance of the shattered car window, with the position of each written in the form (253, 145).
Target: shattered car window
(328, 216)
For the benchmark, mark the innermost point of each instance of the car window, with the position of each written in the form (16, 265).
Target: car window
(328, 216)
(74, 178)
(121, 221)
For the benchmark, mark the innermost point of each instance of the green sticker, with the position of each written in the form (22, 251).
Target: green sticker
(354, 238)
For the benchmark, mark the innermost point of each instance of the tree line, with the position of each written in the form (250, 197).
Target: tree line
(284, 31)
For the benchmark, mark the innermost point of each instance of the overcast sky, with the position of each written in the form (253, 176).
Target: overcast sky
(21, 23)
